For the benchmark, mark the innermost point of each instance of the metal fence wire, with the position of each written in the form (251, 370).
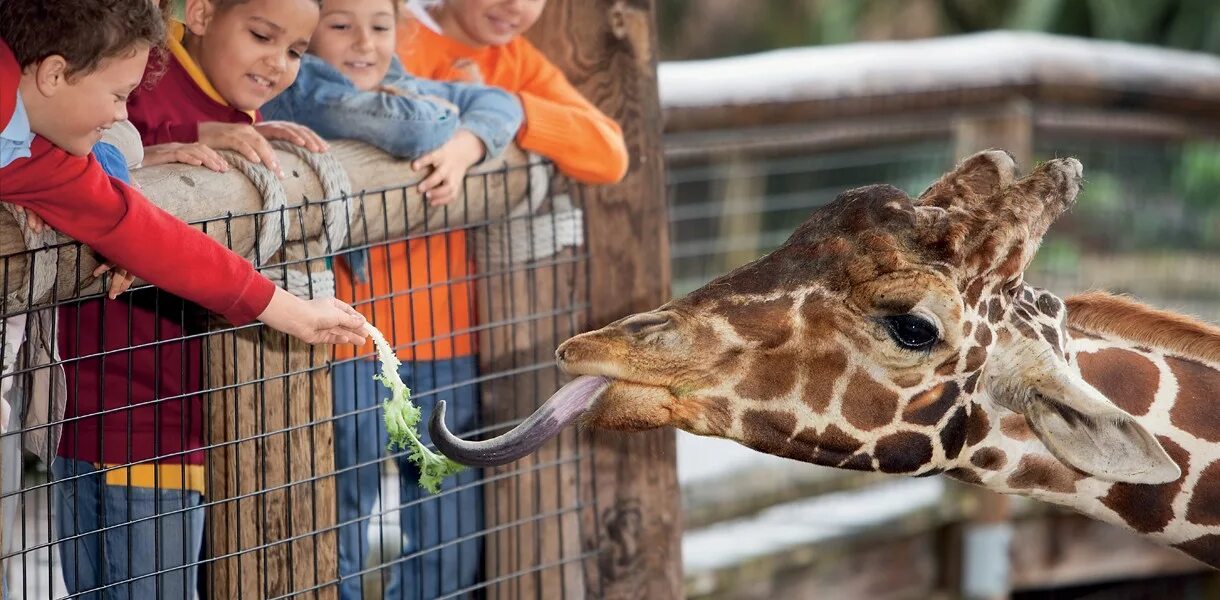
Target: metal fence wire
(198, 458)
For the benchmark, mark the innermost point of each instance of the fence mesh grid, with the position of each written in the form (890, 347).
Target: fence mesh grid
(234, 462)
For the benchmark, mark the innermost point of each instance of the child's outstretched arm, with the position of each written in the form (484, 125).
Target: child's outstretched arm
(75, 196)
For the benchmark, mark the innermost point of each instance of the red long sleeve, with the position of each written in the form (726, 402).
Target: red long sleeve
(76, 197)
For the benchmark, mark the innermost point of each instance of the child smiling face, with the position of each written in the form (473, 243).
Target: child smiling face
(357, 38)
(250, 51)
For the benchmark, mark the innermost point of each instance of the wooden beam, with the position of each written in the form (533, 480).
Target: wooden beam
(608, 50)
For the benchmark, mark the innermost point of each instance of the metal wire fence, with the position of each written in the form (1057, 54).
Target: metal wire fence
(154, 451)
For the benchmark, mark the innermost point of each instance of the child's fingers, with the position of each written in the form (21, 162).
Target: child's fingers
(442, 194)
(212, 159)
(102, 268)
(120, 281)
(313, 141)
(280, 132)
(427, 160)
(34, 222)
(267, 154)
(433, 180)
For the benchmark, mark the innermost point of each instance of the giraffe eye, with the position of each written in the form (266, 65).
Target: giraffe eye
(911, 332)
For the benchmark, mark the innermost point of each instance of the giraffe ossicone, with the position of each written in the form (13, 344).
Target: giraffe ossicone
(898, 335)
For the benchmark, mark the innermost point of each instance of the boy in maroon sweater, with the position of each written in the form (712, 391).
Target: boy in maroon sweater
(57, 94)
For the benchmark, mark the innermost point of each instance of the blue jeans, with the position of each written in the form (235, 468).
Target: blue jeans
(427, 521)
(167, 544)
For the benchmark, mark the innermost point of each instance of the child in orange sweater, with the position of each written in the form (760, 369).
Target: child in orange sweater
(480, 41)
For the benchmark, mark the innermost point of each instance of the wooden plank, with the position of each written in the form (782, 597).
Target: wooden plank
(272, 437)
(608, 50)
(531, 302)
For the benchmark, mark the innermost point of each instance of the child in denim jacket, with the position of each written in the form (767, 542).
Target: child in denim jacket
(352, 86)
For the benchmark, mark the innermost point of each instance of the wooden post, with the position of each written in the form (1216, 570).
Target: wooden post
(607, 48)
(986, 573)
(273, 458)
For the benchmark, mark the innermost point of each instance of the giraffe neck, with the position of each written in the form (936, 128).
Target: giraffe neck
(1162, 391)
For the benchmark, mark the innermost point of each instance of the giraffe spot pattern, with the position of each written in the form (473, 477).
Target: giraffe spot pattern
(771, 377)
(928, 407)
(1040, 472)
(1016, 427)
(974, 292)
(1194, 410)
(717, 414)
(994, 310)
(983, 336)
(768, 431)
(949, 366)
(1205, 548)
(1051, 335)
(1126, 378)
(971, 382)
(975, 359)
(953, 434)
(768, 323)
(903, 452)
(859, 462)
(978, 426)
(989, 458)
(867, 404)
(1204, 507)
(1048, 305)
(1149, 508)
(965, 476)
(967, 328)
(820, 376)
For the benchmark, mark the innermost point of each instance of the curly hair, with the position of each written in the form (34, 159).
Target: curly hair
(83, 32)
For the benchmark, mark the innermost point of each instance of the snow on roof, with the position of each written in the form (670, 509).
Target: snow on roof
(975, 60)
(805, 522)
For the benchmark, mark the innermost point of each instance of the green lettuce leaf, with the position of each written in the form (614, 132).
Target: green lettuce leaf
(402, 419)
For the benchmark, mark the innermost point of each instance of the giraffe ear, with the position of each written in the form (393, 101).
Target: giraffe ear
(1082, 428)
(976, 178)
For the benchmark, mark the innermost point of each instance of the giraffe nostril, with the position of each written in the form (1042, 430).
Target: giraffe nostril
(644, 323)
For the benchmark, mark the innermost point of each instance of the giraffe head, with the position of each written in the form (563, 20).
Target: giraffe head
(871, 337)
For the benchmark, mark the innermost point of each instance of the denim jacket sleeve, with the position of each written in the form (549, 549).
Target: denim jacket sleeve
(493, 115)
(405, 125)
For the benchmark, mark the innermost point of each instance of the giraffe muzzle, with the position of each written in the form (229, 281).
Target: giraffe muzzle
(559, 411)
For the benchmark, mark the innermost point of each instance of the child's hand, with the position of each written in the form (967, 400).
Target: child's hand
(317, 321)
(33, 221)
(470, 72)
(449, 165)
(120, 279)
(293, 133)
(196, 154)
(243, 139)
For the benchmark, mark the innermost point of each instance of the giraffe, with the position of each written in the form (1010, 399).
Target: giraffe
(898, 335)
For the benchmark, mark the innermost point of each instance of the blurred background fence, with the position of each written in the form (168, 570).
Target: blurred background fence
(755, 142)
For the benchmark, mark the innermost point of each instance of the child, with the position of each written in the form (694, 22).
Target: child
(66, 90)
(352, 86)
(480, 40)
(224, 62)
(139, 361)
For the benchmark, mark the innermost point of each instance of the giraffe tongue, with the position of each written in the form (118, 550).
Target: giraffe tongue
(563, 407)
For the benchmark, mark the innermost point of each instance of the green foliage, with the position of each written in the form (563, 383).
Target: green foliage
(1198, 175)
(729, 27)
(402, 418)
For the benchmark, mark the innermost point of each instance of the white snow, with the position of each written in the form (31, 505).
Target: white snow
(982, 59)
(804, 522)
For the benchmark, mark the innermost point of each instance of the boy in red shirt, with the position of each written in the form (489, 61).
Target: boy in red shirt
(57, 95)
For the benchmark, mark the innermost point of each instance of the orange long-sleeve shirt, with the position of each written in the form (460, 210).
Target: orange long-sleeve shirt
(560, 123)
